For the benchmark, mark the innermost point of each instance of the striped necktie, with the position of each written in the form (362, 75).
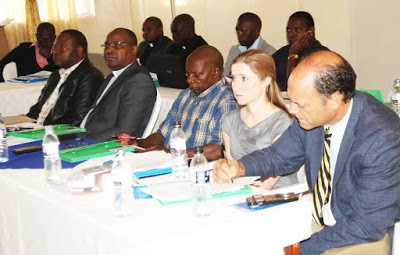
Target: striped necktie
(323, 186)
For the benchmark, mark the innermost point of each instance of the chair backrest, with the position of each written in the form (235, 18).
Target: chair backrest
(153, 117)
(10, 71)
(396, 239)
(98, 61)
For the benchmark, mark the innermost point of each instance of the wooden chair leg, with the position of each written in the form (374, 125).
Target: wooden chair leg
(293, 249)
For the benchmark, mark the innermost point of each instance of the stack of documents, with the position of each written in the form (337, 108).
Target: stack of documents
(36, 77)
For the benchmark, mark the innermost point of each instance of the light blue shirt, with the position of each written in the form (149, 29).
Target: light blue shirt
(254, 46)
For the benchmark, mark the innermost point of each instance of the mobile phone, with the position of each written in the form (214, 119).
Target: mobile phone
(258, 200)
(27, 149)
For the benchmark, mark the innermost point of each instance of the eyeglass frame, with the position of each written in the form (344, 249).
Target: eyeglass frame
(116, 45)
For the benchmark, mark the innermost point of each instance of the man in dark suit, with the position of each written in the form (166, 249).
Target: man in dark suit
(70, 91)
(126, 98)
(353, 173)
(33, 57)
(155, 43)
(185, 38)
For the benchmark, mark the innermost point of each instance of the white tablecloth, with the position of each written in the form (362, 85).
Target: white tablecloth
(36, 220)
(17, 98)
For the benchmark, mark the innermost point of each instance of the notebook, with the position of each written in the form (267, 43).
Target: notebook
(170, 70)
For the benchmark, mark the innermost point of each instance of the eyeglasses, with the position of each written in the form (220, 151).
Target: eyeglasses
(115, 45)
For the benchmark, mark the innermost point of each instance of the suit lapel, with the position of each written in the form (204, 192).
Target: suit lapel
(317, 149)
(348, 138)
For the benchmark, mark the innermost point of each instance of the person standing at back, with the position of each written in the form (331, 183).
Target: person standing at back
(33, 57)
(126, 98)
(70, 91)
(248, 28)
(300, 32)
(155, 43)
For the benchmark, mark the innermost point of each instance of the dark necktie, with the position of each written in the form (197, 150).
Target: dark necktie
(323, 186)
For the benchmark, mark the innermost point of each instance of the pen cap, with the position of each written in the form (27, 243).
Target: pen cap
(177, 123)
(198, 149)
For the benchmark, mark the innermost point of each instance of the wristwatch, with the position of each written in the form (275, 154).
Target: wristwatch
(295, 56)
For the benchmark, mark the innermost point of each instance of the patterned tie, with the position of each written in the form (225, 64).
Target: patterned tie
(51, 101)
(323, 186)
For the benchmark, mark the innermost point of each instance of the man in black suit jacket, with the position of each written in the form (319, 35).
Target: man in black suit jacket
(33, 57)
(73, 87)
(126, 98)
(155, 43)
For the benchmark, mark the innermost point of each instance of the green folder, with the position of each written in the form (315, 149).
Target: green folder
(38, 133)
(245, 190)
(92, 151)
(375, 93)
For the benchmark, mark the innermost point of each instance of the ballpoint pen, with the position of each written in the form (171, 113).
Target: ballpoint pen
(126, 137)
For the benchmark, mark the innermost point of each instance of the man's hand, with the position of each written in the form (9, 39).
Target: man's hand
(126, 141)
(225, 170)
(45, 52)
(302, 43)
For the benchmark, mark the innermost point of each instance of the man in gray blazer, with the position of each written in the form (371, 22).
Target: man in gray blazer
(248, 28)
(362, 199)
(126, 98)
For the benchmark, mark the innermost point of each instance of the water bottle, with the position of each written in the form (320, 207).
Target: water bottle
(122, 177)
(3, 142)
(200, 182)
(177, 145)
(52, 161)
(395, 98)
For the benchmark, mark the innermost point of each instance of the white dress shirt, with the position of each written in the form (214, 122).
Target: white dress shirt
(337, 131)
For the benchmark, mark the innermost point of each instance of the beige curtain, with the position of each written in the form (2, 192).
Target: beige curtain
(32, 19)
(61, 13)
(15, 31)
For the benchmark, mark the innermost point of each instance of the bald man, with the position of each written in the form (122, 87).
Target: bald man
(184, 36)
(155, 43)
(199, 107)
(348, 137)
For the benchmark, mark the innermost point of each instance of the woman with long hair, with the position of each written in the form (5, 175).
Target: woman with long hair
(262, 115)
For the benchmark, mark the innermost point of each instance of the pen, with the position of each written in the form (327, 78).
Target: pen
(224, 155)
(126, 137)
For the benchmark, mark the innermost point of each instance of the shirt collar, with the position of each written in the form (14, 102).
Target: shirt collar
(252, 47)
(341, 125)
(62, 71)
(208, 91)
(120, 71)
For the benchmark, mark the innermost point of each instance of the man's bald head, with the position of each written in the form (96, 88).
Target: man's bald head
(331, 73)
(203, 68)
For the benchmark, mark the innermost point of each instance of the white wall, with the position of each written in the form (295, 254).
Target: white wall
(364, 32)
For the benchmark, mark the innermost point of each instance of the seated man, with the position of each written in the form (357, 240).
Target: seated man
(155, 43)
(199, 107)
(33, 57)
(300, 32)
(126, 98)
(71, 90)
(349, 143)
(248, 28)
(185, 38)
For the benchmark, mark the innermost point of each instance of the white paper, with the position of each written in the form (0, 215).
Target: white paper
(5, 21)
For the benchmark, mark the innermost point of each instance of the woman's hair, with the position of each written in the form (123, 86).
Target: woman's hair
(263, 65)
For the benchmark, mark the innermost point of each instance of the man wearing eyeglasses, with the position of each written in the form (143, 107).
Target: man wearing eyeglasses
(33, 57)
(126, 98)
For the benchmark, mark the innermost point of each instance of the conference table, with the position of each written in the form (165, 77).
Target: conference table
(17, 98)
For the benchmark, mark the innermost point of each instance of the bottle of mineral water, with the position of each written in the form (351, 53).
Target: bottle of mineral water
(395, 98)
(51, 153)
(122, 177)
(3, 142)
(200, 182)
(177, 145)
